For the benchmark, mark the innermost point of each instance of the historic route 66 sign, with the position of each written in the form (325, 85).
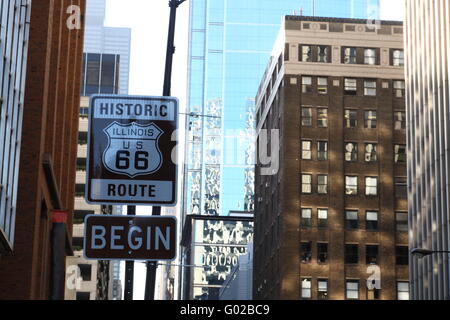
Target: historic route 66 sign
(130, 155)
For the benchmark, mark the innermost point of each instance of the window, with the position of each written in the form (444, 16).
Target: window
(81, 164)
(322, 150)
(401, 255)
(350, 87)
(80, 190)
(323, 54)
(351, 152)
(371, 254)
(83, 296)
(322, 118)
(86, 271)
(352, 289)
(351, 185)
(373, 293)
(306, 84)
(399, 120)
(306, 218)
(306, 183)
(401, 187)
(370, 88)
(351, 219)
(322, 184)
(322, 218)
(350, 55)
(370, 119)
(306, 150)
(371, 186)
(371, 220)
(370, 152)
(400, 153)
(398, 58)
(401, 219)
(306, 288)
(322, 85)
(399, 89)
(322, 252)
(370, 56)
(351, 253)
(306, 117)
(351, 118)
(403, 290)
(322, 289)
(84, 111)
(307, 54)
(306, 252)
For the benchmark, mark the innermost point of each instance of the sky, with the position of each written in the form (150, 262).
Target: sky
(149, 21)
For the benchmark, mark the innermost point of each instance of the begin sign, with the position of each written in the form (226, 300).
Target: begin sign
(130, 237)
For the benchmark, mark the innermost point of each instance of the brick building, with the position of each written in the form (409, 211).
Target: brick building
(32, 261)
(335, 213)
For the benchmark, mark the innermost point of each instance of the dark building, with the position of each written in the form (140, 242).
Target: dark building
(331, 221)
(44, 103)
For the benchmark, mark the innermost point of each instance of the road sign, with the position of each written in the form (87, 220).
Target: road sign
(131, 144)
(130, 237)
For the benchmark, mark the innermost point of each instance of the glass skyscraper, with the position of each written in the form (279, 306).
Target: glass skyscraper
(229, 47)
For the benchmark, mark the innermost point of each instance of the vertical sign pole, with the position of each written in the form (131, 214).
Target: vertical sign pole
(129, 266)
(173, 4)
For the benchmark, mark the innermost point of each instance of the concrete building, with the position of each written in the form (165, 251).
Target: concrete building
(105, 70)
(39, 90)
(330, 212)
(427, 99)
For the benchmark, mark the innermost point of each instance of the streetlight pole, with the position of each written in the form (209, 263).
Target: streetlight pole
(173, 4)
(420, 252)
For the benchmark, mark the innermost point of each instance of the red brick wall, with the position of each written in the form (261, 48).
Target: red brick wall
(50, 126)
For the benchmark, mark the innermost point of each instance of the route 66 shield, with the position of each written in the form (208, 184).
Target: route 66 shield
(133, 149)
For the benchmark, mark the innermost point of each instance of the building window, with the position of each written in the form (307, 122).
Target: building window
(351, 118)
(80, 190)
(371, 220)
(322, 184)
(322, 218)
(323, 54)
(306, 183)
(307, 54)
(306, 218)
(352, 289)
(306, 252)
(398, 58)
(370, 119)
(400, 153)
(371, 186)
(351, 254)
(322, 289)
(403, 290)
(350, 87)
(307, 117)
(322, 118)
(86, 271)
(306, 150)
(350, 55)
(371, 254)
(401, 187)
(399, 120)
(307, 84)
(399, 88)
(322, 252)
(306, 288)
(370, 56)
(322, 85)
(322, 150)
(83, 296)
(351, 219)
(401, 219)
(351, 185)
(373, 293)
(370, 88)
(84, 111)
(370, 152)
(401, 255)
(351, 151)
